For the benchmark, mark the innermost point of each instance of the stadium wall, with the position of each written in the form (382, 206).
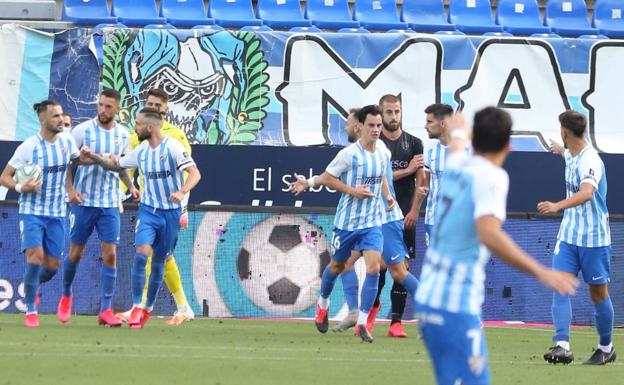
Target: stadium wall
(267, 262)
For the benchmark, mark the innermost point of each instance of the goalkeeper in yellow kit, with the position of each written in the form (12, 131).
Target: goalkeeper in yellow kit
(157, 99)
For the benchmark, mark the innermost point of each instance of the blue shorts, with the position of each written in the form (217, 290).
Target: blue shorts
(83, 219)
(428, 231)
(49, 232)
(394, 250)
(157, 228)
(344, 241)
(593, 262)
(456, 345)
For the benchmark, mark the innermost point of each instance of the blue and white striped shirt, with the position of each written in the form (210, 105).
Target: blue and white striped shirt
(99, 187)
(54, 159)
(435, 160)
(453, 273)
(586, 225)
(395, 214)
(162, 169)
(355, 167)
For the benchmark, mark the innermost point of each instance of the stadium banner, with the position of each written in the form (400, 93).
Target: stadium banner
(268, 264)
(293, 89)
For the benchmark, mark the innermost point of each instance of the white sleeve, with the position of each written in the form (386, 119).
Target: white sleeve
(21, 156)
(590, 169)
(74, 149)
(340, 164)
(182, 158)
(125, 140)
(489, 192)
(78, 133)
(427, 158)
(130, 160)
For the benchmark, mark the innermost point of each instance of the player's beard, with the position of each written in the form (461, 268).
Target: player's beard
(392, 127)
(56, 129)
(143, 135)
(104, 119)
(352, 138)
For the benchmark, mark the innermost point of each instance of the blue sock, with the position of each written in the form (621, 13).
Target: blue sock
(138, 278)
(155, 280)
(411, 284)
(562, 316)
(69, 271)
(369, 292)
(604, 320)
(327, 282)
(108, 276)
(350, 288)
(31, 285)
(46, 274)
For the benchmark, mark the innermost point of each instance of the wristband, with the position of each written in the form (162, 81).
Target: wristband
(458, 134)
(18, 188)
(311, 182)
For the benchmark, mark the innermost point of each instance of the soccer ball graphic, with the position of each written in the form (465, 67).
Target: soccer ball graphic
(280, 264)
(27, 171)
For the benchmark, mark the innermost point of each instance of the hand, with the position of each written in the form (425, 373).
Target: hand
(422, 192)
(410, 219)
(176, 197)
(556, 148)
(31, 186)
(547, 207)
(85, 152)
(561, 282)
(362, 192)
(74, 196)
(112, 162)
(391, 203)
(136, 194)
(417, 162)
(299, 185)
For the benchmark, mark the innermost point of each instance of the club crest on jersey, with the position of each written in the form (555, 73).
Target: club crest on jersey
(64, 150)
(163, 157)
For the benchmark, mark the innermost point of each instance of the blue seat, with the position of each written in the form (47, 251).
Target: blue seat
(450, 33)
(425, 15)
(159, 26)
(281, 14)
(550, 35)
(353, 30)
(184, 13)
(332, 14)
(520, 17)
(256, 28)
(608, 18)
(473, 16)
(378, 14)
(498, 34)
(87, 12)
(232, 13)
(568, 18)
(137, 13)
(210, 27)
(305, 29)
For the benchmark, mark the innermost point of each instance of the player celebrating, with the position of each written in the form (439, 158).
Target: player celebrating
(42, 206)
(471, 209)
(158, 99)
(162, 161)
(95, 197)
(583, 242)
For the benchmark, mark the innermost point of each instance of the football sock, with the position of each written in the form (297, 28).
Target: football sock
(138, 278)
(604, 320)
(369, 291)
(108, 276)
(350, 288)
(46, 274)
(380, 285)
(362, 318)
(155, 281)
(398, 296)
(327, 282)
(562, 316)
(174, 283)
(148, 271)
(31, 285)
(69, 271)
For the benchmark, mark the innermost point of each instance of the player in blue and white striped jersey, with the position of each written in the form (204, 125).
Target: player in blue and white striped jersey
(583, 242)
(361, 167)
(472, 207)
(42, 207)
(96, 204)
(162, 162)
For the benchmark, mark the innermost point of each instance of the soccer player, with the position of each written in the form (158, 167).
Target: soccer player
(361, 167)
(67, 122)
(158, 99)
(42, 207)
(583, 242)
(471, 209)
(163, 162)
(95, 204)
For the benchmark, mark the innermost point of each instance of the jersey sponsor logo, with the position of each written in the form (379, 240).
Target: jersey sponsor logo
(371, 180)
(399, 164)
(54, 169)
(158, 174)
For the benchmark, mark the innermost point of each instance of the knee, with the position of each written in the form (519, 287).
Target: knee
(373, 268)
(398, 272)
(145, 250)
(109, 257)
(598, 293)
(336, 267)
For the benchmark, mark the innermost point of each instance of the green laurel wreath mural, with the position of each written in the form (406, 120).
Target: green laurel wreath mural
(113, 73)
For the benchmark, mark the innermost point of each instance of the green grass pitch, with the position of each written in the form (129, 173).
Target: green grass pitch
(247, 352)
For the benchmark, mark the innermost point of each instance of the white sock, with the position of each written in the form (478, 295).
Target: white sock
(606, 348)
(323, 302)
(564, 344)
(362, 318)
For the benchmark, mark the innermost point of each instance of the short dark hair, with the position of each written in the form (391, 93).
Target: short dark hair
(159, 93)
(573, 121)
(111, 93)
(390, 99)
(42, 107)
(491, 130)
(69, 115)
(439, 110)
(371, 109)
(151, 113)
(354, 111)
